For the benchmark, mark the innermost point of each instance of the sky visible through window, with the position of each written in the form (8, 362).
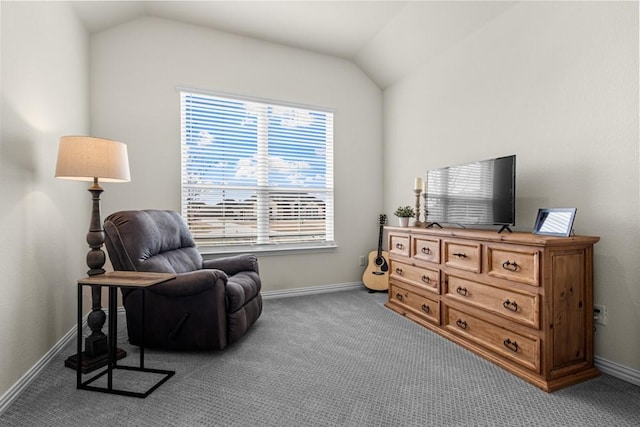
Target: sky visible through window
(223, 146)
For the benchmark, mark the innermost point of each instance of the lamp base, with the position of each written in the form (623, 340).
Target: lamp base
(90, 363)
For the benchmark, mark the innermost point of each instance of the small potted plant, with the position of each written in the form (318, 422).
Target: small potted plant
(404, 213)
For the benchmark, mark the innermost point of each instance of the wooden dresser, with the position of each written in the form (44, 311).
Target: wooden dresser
(522, 301)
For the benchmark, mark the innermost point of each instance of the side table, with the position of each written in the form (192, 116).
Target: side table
(113, 281)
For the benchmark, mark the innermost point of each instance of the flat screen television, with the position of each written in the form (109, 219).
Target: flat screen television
(473, 194)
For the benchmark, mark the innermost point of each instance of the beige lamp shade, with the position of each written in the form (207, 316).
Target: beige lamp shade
(84, 158)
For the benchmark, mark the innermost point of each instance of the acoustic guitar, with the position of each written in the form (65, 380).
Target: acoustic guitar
(376, 276)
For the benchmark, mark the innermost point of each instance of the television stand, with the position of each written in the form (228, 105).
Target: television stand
(431, 224)
(505, 227)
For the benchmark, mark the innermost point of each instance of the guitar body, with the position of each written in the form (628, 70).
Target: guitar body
(376, 276)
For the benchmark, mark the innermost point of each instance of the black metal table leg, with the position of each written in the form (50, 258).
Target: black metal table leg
(113, 333)
(112, 363)
(143, 333)
(79, 343)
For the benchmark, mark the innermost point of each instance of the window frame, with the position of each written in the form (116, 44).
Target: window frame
(270, 247)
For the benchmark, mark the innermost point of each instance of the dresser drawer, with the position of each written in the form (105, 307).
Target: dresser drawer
(426, 278)
(519, 265)
(426, 249)
(399, 244)
(462, 255)
(516, 347)
(416, 303)
(517, 306)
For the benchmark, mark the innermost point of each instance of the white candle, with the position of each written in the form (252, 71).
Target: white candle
(424, 186)
(418, 184)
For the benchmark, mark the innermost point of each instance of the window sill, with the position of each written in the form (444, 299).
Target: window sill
(213, 252)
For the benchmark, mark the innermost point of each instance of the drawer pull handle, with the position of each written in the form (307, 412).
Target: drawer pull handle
(399, 296)
(461, 324)
(399, 246)
(510, 305)
(511, 345)
(399, 271)
(511, 266)
(425, 251)
(462, 291)
(460, 255)
(425, 308)
(426, 279)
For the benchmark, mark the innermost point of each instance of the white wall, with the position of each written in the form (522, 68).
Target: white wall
(43, 221)
(135, 69)
(555, 83)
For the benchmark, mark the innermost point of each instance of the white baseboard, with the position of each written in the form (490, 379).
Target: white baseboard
(285, 293)
(617, 370)
(10, 395)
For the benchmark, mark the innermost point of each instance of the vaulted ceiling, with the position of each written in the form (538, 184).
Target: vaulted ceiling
(387, 39)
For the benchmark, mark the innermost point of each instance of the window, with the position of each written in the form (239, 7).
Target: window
(256, 173)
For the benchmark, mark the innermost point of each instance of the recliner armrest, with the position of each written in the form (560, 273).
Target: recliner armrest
(233, 264)
(189, 284)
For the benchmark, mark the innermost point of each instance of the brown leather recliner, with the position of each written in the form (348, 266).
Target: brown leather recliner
(210, 304)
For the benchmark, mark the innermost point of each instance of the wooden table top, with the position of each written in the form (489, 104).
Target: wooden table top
(132, 279)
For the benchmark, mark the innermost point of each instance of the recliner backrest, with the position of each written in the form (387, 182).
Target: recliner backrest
(150, 240)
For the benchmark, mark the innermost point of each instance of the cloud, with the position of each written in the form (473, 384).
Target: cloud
(205, 138)
(247, 169)
(292, 117)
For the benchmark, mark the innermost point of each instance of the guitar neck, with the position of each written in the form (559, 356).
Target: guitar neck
(380, 241)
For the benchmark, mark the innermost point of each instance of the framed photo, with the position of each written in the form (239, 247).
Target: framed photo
(555, 222)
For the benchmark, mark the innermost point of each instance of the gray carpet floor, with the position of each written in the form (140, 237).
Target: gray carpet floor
(325, 360)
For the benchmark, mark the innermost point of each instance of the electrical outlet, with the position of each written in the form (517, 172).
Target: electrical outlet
(362, 262)
(600, 314)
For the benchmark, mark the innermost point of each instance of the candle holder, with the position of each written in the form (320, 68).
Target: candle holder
(417, 222)
(426, 212)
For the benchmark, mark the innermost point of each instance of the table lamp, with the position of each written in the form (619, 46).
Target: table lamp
(86, 158)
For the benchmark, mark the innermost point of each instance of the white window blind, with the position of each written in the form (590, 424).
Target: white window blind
(256, 173)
